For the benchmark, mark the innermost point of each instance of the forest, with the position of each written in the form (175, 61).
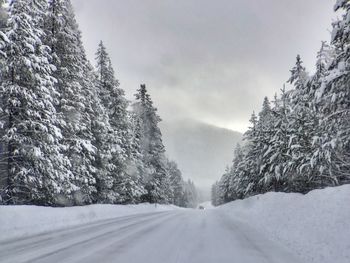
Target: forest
(68, 135)
(301, 140)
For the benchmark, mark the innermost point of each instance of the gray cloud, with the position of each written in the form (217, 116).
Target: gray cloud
(212, 61)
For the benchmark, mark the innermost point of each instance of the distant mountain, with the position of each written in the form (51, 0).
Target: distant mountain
(202, 151)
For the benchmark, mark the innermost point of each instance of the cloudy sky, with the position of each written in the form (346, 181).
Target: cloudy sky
(207, 60)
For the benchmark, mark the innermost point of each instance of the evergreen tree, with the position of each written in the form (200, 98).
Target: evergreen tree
(152, 148)
(318, 161)
(258, 138)
(334, 103)
(262, 141)
(191, 194)
(113, 99)
(301, 126)
(177, 184)
(277, 157)
(127, 180)
(215, 199)
(235, 187)
(76, 97)
(3, 42)
(224, 187)
(35, 171)
(249, 170)
(3, 26)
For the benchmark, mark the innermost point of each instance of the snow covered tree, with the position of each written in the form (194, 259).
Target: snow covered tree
(301, 126)
(152, 148)
(235, 188)
(258, 138)
(3, 16)
(35, 173)
(224, 186)
(113, 99)
(276, 156)
(76, 97)
(176, 184)
(334, 103)
(215, 198)
(318, 161)
(127, 183)
(191, 195)
(249, 169)
(3, 154)
(324, 58)
(262, 142)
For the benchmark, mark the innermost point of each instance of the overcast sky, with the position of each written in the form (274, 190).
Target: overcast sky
(210, 60)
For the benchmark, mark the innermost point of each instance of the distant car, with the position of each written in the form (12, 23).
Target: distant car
(201, 207)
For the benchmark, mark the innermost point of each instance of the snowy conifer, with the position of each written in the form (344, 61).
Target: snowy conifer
(127, 178)
(176, 184)
(334, 103)
(301, 126)
(35, 166)
(75, 85)
(235, 188)
(152, 148)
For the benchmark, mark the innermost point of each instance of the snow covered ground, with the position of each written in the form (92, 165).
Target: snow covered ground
(22, 221)
(315, 226)
(270, 228)
(176, 236)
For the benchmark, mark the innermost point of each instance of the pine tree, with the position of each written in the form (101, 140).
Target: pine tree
(257, 137)
(152, 148)
(302, 123)
(215, 199)
(127, 180)
(3, 16)
(3, 155)
(176, 183)
(249, 170)
(113, 98)
(30, 131)
(3, 38)
(191, 194)
(276, 157)
(235, 187)
(224, 186)
(334, 103)
(262, 141)
(318, 160)
(76, 99)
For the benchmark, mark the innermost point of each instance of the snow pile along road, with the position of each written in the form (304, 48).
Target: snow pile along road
(22, 221)
(316, 226)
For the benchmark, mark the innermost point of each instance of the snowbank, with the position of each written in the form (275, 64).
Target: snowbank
(316, 226)
(21, 221)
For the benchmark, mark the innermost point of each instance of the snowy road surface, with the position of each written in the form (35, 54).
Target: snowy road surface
(164, 237)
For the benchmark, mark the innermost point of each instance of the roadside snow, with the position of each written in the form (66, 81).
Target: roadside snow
(22, 221)
(316, 226)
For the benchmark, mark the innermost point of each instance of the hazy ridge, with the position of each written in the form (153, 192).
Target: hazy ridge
(202, 151)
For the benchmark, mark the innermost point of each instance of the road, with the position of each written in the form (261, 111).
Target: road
(182, 236)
